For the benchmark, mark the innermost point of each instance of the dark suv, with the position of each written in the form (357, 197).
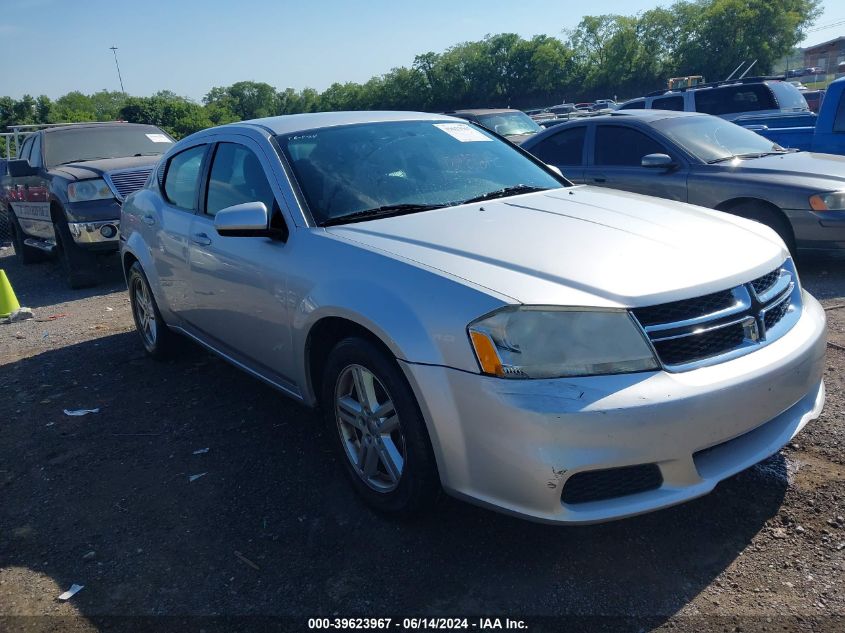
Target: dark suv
(66, 186)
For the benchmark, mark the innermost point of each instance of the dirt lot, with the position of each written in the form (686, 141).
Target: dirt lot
(272, 528)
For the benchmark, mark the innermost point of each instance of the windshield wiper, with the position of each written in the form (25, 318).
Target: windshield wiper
(503, 193)
(752, 155)
(84, 160)
(385, 211)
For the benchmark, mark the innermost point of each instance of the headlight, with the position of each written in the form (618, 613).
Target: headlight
(88, 190)
(549, 342)
(833, 201)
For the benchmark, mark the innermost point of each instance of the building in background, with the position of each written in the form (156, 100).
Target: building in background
(827, 55)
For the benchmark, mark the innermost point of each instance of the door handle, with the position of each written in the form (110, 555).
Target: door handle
(149, 220)
(201, 238)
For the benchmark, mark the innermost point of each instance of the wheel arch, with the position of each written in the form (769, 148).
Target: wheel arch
(733, 205)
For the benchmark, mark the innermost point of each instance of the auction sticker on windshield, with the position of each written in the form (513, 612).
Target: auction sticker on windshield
(463, 132)
(158, 138)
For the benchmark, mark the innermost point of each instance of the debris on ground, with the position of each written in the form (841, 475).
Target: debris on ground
(89, 555)
(70, 593)
(80, 412)
(246, 561)
(21, 314)
(200, 451)
(195, 477)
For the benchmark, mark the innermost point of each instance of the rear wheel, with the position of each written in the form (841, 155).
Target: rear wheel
(158, 339)
(378, 429)
(25, 254)
(79, 265)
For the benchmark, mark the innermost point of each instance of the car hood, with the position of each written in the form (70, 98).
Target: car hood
(800, 165)
(96, 168)
(579, 246)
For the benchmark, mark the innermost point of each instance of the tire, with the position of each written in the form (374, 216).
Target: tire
(79, 265)
(772, 218)
(158, 339)
(25, 254)
(369, 446)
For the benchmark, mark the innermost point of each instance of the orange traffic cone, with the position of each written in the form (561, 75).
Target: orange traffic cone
(8, 300)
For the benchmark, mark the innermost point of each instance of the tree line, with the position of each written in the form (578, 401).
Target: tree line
(605, 56)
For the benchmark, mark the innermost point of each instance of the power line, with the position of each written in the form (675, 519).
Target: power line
(826, 26)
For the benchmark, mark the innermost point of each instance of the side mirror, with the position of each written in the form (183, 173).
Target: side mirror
(249, 219)
(658, 161)
(21, 168)
(555, 169)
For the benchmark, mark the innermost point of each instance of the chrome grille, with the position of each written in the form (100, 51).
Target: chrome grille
(123, 183)
(723, 325)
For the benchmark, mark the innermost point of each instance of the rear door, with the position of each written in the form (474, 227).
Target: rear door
(616, 161)
(238, 284)
(168, 226)
(565, 150)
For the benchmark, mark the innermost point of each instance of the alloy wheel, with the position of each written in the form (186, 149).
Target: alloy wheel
(369, 428)
(144, 312)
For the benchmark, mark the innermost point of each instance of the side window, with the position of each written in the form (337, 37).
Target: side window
(26, 148)
(236, 177)
(669, 103)
(623, 146)
(564, 148)
(839, 121)
(182, 178)
(732, 99)
(633, 105)
(35, 154)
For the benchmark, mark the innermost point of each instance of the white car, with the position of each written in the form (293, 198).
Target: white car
(470, 321)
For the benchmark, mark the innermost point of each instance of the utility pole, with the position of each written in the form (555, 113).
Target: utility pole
(113, 49)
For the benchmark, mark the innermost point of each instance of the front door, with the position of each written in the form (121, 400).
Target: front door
(238, 284)
(28, 195)
(618, 151)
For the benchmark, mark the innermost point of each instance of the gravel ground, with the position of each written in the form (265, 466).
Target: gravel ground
(273, 529)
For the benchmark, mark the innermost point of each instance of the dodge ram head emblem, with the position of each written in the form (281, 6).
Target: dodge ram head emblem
(751, 329)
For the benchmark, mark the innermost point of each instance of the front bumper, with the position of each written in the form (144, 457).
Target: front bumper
(818, 231)
(99, 235)
(514, 444)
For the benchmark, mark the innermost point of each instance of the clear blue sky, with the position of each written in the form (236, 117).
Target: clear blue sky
(188, 46)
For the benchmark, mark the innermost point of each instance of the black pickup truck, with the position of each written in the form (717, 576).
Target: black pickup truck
(66, 186)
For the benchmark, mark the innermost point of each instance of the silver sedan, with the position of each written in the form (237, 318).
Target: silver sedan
(469, 321)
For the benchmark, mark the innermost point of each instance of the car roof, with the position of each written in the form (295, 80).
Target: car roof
(88, 126)
(291, 123)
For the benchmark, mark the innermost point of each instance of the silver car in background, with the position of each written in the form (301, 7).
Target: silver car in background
(469, 321)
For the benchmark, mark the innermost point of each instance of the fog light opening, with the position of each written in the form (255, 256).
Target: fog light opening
(108, 231)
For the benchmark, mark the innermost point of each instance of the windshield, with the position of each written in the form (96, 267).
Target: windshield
(108, 141)
(353, 169)
(712, 139)
(509, 123)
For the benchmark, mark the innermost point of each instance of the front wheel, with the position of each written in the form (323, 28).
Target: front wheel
(78, 264)
(378, 429)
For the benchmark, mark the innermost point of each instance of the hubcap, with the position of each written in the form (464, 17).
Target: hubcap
(145, 317)
(369, 428)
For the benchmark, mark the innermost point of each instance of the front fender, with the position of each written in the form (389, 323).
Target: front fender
(132, 245)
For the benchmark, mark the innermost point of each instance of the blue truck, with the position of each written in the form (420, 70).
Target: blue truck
(826, 136)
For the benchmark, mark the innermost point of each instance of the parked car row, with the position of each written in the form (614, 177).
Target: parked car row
(516, 325)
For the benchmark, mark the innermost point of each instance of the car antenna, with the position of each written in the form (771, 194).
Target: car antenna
(747, 69)
(735, 71)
